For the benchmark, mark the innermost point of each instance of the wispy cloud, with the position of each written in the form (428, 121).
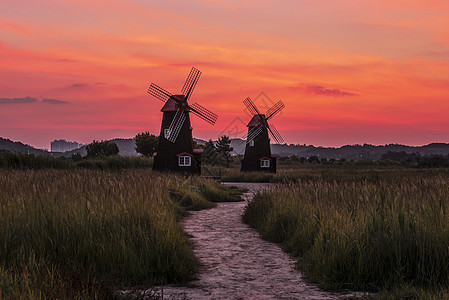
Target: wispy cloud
(54, 101)
(78, 85)
(27, 100)
(17, 100)
(322, 91)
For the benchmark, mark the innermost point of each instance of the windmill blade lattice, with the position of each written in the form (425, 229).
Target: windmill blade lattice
(203, 113)
(275, 134)
(251, 106)
(253, 133)
(173, 122)
(176, 125)
(275, 109)
(159, 92)
(190, 83)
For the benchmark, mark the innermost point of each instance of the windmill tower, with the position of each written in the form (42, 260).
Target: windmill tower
(257, 150)
(175, 151)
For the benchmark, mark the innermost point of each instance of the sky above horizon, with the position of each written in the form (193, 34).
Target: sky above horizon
(348, 71)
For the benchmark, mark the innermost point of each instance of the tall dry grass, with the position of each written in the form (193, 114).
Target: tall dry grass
(83, 233)
(364, 229)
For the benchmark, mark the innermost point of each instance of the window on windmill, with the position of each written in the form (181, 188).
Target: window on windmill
(265, 163)
(185, 161)
(166, 133)
(251, 143)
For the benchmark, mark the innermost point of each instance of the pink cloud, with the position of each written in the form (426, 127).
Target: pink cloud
(322, 91)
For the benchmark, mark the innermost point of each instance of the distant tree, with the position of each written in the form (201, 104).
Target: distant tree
(111, 148)
(294, 158)
(76, 157)
(101, 149)
(410, 158)
(146, 143)
(434, 161)
(314, 160)
(210, 153)
(224, 149)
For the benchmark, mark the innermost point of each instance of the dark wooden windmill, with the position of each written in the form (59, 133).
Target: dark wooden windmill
(175, 151)
(257, 151)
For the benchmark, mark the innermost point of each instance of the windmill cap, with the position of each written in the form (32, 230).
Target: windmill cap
(171, 104)
(255, 120)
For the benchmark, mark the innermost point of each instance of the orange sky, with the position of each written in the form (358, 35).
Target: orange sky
(348, 71)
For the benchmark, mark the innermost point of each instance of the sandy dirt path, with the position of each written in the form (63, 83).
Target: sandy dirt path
(236, 262)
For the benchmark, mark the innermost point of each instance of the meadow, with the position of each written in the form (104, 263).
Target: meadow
(86, 229)
(377, 230)
(82, 234)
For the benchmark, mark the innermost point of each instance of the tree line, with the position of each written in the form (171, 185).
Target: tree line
(104, 155)
(391, 158)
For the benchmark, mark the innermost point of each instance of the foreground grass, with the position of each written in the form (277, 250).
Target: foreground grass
(83, 234)
(374, 230)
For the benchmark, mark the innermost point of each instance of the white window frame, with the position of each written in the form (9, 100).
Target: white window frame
(166, 133)
(264, 163)
(184, 161)
(251, 143)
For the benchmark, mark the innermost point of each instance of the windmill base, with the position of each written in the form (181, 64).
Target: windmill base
(164, 163)
(255, 164)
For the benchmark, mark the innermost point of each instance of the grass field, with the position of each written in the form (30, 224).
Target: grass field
(362, 229)
(81, 234)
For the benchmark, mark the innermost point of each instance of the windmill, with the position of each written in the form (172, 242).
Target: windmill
(175, 150)
(257, 150)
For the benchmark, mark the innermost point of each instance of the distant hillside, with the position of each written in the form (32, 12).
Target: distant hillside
(347, 152)
(6, 144)
(126, 148)
(355, 152)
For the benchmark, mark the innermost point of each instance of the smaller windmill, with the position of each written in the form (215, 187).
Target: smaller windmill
(257, 151)
(175, 151)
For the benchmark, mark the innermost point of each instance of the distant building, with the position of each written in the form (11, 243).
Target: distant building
(64, 146)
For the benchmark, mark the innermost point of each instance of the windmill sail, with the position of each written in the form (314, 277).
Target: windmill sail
(253, 133)
(275, 109)
(203, 113)
(176, 125)
(251, 107)
(159, 92)
(190, 83)
(275, 134)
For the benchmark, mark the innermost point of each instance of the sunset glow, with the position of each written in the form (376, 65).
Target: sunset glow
(349, 72)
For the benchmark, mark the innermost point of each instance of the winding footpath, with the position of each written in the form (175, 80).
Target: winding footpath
(236, 262)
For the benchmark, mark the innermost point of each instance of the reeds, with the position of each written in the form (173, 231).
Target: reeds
(362, 229)
(24, 161)
(87, 232)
